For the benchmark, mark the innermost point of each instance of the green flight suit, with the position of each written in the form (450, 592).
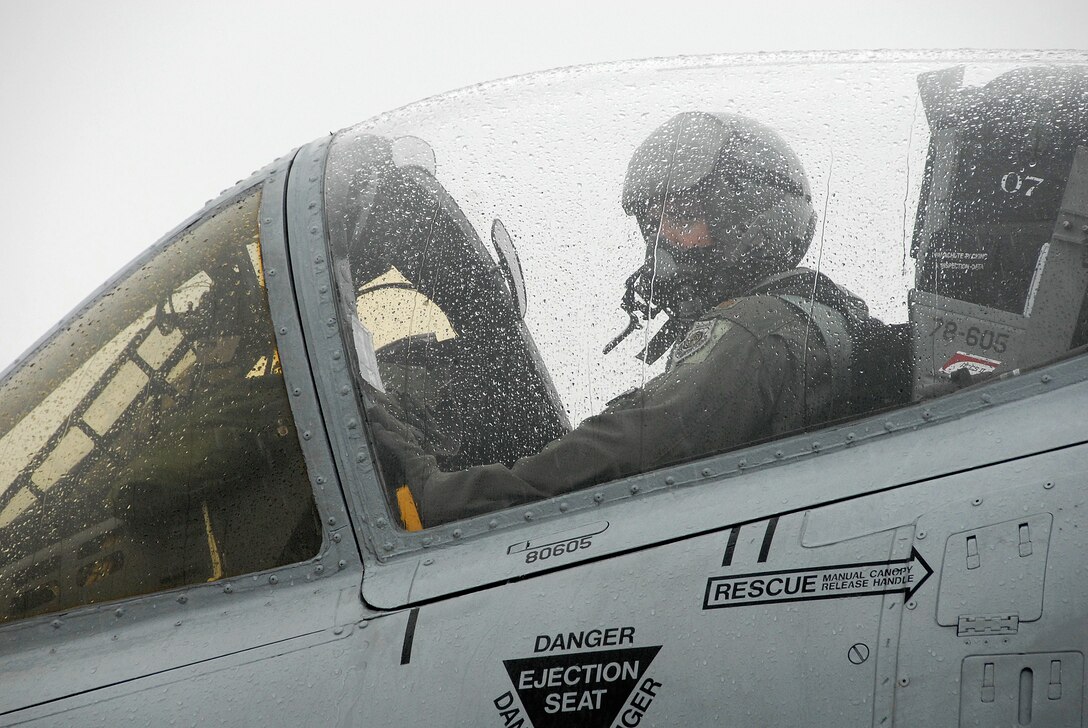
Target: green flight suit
(748, 370)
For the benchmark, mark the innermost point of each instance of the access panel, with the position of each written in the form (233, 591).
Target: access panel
(1038, 689)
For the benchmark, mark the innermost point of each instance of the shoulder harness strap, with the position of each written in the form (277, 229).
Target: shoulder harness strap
(831, 327)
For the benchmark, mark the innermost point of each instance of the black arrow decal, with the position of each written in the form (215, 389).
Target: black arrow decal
(818, 582)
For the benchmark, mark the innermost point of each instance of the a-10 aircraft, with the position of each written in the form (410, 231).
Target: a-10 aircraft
(345, 447)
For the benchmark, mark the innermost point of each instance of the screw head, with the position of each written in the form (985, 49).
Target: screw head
(912, 604)
(858, 653)
(904, 681)
(921, 535)
(1048, 486)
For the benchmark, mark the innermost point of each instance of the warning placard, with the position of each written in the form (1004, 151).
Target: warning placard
(820, 582)
(973, 363)
(581, 689)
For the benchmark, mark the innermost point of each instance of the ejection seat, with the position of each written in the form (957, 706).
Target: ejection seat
(444, 325)
(1001, 234)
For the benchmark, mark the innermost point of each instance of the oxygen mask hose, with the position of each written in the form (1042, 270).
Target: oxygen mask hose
(632, 325)
(635, 310)
(638, 311)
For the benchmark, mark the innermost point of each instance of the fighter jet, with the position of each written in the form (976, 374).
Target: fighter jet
(738, 391)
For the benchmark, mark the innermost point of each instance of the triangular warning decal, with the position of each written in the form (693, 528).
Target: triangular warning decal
(581, 689)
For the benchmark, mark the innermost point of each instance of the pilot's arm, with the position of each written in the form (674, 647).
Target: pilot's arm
(734, 378)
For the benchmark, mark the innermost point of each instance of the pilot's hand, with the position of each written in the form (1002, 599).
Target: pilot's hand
(399, 445)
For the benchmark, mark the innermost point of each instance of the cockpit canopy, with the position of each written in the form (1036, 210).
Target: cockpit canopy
(502, 306)
(941, 189)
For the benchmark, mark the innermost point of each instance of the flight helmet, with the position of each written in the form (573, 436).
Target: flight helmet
(743, 181)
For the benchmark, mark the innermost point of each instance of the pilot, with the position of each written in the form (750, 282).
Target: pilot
(759, 347)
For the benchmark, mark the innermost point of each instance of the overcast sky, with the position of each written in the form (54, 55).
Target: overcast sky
(121, 118)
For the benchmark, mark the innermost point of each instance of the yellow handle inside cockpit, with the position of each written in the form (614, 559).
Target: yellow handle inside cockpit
(409, 514)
